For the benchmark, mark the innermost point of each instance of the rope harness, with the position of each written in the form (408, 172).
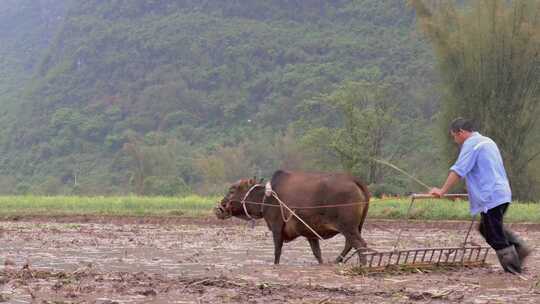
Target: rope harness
(243, 202)
(284, 208)
(269, 192)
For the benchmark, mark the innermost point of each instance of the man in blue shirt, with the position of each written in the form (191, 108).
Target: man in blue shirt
(480, 163)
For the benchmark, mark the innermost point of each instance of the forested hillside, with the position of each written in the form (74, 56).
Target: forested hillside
(26, 31)
(27, 28)
(165, 97)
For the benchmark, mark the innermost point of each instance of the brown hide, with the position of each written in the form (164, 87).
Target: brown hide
(299, 189)
(309, 196)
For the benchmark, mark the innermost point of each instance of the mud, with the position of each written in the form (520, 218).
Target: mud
(179, 260)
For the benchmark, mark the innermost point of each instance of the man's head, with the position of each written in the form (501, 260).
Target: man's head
(461, 129)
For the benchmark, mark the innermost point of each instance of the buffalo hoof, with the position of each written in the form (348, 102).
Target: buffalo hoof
(339, 260)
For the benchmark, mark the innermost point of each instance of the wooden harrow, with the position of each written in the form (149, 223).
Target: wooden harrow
(466, 255)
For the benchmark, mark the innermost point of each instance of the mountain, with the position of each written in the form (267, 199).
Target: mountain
(91, 86)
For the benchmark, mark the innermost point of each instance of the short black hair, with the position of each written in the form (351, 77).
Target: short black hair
(461, 123)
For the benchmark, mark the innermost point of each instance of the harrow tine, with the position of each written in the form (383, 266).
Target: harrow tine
(470, 255)
(424, 257)
(432, 254)
(455, 256)
(478, 253)
(485, 254)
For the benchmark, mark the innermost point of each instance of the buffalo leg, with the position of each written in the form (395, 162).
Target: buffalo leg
(278, 244)
(357, 242)
(341, 256)
(316, 248)
(348, 246)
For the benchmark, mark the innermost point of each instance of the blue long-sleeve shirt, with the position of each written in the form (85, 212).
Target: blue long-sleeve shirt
(480, 163)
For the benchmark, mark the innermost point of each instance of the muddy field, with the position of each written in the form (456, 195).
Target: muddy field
(127, 260)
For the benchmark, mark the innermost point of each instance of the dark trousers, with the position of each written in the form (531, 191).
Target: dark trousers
(492, 228)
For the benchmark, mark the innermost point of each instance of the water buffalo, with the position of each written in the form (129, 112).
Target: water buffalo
(329, 203)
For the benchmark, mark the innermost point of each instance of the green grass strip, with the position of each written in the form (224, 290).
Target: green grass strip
(438, 209)
(199, 206)
(191, 206)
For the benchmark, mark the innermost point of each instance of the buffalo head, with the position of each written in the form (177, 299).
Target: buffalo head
(232, 203)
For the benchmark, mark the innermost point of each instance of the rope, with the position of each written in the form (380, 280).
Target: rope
(274, 194)
(400, 170)
(243, 202)
(310, 207)
(285, 219)
(283, 205)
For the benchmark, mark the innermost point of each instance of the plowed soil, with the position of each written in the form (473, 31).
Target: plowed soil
(178, 260)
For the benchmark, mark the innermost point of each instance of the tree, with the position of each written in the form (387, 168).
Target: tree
(157, 162)
(367, 130)
(8, 184)
(139, 170)
(80, 164)
(489, 57)
(223, 166)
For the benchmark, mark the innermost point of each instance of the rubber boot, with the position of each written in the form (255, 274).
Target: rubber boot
(522, 249)
(509, 259)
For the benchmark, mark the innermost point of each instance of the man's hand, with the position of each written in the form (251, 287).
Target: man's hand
(436, 192)
(451, 180)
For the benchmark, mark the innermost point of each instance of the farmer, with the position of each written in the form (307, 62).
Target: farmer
(480, 163)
